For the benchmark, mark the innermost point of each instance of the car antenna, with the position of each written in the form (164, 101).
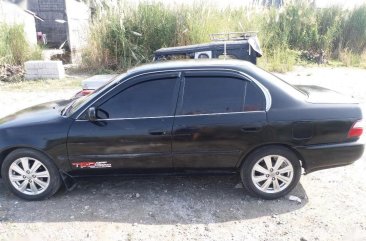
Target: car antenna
(225, 53)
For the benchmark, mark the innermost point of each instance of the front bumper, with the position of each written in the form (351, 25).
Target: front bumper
(318, 157)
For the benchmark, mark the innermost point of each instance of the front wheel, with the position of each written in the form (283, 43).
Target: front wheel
(30, 174)
(270, 172)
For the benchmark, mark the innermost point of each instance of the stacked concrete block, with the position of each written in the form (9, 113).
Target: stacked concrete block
(44, 70)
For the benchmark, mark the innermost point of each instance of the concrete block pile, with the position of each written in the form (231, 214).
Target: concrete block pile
(44, 70)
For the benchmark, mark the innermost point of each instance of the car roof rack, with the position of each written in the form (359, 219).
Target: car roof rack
(232, 36)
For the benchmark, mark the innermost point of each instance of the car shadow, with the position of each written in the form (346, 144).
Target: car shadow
(149, 200)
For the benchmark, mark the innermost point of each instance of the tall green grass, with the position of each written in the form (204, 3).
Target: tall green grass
(127, 35)
(14, 48)
(123, 37)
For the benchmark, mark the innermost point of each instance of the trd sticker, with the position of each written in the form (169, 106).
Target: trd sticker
(92, 164)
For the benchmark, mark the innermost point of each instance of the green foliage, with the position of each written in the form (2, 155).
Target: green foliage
(14, 48)
(278, 60)
(119, 39)
(125, 36)
(330, 23)
(354, 33)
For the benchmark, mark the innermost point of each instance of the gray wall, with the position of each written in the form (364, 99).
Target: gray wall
(76, 14)
(50, 10)
(78, 18)
(12, 14)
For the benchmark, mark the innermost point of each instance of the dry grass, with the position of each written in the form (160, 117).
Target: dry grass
(348, 59)
(37, 85)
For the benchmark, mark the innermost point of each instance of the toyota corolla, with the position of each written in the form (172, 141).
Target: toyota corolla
(183, 117)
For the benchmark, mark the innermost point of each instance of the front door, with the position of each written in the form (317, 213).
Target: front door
(132, 130)
(219, 117)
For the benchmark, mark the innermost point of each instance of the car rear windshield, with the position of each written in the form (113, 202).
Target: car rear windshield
(282, 84)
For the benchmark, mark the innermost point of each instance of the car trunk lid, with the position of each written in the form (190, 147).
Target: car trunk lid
(321, 95)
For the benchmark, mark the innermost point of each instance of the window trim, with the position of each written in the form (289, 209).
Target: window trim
(225, 113)
(132, 81)
(131, 118)
(82, 109)
(231, 73)
(159, 117)
(225, 74)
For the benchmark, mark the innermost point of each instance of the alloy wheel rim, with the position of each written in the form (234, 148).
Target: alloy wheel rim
(272, 174)
(29, 176)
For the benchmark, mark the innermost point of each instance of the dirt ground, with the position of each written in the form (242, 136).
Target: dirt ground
(332, 204)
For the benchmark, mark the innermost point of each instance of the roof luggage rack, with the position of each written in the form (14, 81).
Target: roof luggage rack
(232, 36)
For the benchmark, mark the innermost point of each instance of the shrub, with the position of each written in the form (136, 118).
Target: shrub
(122, 38)
(14, 48)
(354, 30)
(126, 35)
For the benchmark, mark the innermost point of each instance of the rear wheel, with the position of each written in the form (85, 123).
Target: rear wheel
(270, 172)
(30, 174)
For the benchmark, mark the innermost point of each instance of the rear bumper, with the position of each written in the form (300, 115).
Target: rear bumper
(318, 157)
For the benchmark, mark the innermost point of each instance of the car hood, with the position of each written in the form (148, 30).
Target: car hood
(42, 113)
(317, 94)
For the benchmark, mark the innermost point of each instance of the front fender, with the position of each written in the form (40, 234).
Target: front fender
(48, 138)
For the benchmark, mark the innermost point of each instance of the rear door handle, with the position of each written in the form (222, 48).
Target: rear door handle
(158, 132)
(190, 129)
(251, 129)
(186, 130)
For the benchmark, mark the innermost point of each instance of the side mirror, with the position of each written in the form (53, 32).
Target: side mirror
(92, 114)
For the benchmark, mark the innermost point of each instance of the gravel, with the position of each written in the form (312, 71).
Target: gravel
(332, 203)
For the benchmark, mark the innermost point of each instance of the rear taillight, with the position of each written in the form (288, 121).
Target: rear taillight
(86, 92)
(356, 130)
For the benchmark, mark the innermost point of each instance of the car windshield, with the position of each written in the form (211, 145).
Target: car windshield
(77, 103)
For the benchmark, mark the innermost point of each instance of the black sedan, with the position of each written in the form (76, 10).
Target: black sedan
(183, 117)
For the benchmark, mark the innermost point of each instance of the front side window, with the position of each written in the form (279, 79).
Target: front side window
(205, 95)
(146, 99)
(79, 102)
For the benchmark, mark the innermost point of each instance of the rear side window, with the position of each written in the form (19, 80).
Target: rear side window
(254, 98)
(147, 99)
(204, 95)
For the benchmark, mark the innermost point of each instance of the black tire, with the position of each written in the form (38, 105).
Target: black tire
(54, 175)
(254, 157)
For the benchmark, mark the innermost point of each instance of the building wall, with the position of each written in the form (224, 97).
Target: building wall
(12, 14)
(75, 13)
(50, 10)
(78, 19)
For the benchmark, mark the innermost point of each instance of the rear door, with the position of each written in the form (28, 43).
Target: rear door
(220, 115)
